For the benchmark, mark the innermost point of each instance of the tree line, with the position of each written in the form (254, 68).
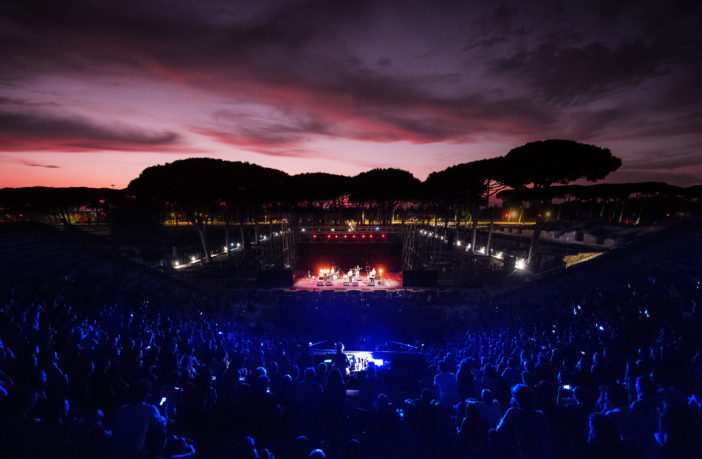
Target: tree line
(201, 191)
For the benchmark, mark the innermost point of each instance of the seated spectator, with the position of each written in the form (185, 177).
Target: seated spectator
(573, 419)
(479, 417)
(135, 420)
(523, 430)
(310, 394)
(288, 402)
(677, 434)
(604, 443)
(423, 413)
(384, 420)
(446, 386)
(369, 388)
(464, 378)
(631, 424)
(178, 448)
(264, 413)
(91, 437)
(512, 374)
(334, 397)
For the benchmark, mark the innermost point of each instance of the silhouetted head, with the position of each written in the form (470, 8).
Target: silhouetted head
(644, 387)
(246, 449)
(486, 396)
(603, 429)
(259, 371)
(286, 383)
(523, 396)
(444, 366)
(529, 378)
(317, 454)
(615, 397)
(301, 447)
(139, 391)
(353, 450)
(261, 383)
(334, 379)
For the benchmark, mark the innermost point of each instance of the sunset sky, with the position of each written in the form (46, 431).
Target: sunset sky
(94, 91)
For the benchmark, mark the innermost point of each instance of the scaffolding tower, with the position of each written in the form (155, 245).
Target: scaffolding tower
(276, 249)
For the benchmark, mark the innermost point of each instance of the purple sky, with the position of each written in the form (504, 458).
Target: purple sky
(94, 91)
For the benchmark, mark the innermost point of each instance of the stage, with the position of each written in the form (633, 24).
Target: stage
(389, 281)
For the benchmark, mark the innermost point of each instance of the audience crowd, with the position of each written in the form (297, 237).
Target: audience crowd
(614, 374)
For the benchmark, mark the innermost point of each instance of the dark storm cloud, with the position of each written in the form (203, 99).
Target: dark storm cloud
(36, 131)
(302, 44)
(420, 72)
(34, 164)
(669, 159)
(25, 103)
(272, 130)
(565, 74)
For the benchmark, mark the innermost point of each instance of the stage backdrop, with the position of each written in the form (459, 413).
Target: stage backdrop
(318, 255)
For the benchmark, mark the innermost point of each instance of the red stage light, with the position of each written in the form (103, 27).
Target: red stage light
(354, 236)
(336, 236)
(382, 236)
(314, 236)
(345, 236)
(370, 236)
(328, 236)
(363, 236)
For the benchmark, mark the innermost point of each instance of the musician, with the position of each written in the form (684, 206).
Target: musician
(340, 360)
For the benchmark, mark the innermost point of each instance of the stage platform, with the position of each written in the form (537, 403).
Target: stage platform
(390, 281)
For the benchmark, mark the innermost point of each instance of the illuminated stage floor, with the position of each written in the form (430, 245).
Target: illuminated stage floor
(392, 281)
